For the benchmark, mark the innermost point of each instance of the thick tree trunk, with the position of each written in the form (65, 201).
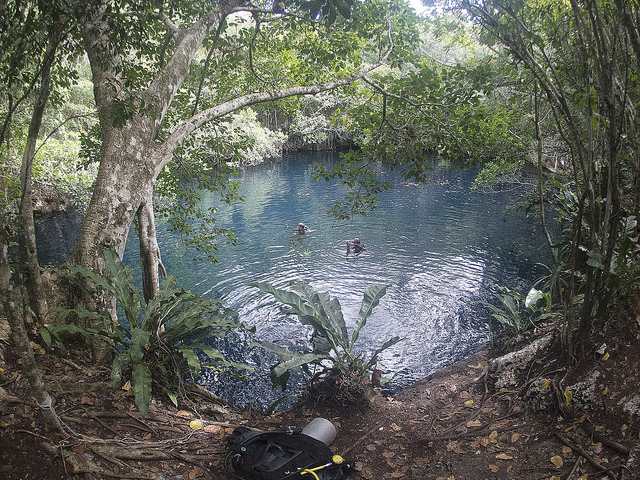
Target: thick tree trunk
(130, 158)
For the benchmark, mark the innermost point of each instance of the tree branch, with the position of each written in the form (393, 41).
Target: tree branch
(164, 153)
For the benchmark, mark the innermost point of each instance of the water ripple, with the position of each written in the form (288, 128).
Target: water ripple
(439, 247)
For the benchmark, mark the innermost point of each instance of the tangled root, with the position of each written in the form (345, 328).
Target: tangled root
(340, 388)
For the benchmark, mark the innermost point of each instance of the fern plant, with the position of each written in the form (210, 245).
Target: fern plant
(156, 340)
(332, 345)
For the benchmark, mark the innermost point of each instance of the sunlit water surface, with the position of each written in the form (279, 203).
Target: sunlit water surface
(440, 247)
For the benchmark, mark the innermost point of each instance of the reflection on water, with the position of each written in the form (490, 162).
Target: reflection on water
(439, 247)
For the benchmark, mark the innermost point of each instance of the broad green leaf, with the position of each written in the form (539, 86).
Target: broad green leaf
(118, 365)
(142, 387)
(279, 371)
(46, 336)
(122, 286)
(372, 297)
(191, 357)
(595, 260)
(328, 315)
(139, 340)
(305, 311)
(272, 347)
(389, 343)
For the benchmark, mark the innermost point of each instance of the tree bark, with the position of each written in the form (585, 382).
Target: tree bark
(150, 260)
(35, 287)
(130, 158)
(9, 305)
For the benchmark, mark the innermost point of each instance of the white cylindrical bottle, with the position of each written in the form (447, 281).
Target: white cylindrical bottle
(321, 429)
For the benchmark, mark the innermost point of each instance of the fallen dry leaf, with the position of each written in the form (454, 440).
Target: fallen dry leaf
(464, 394)
(494, 468)
(455, 447)
(568, 396)
(473, 423)
(504, 456)
(79, 449)
(557, 460)
(545, 383)
(195, 424)
(194, 473)
(397, 474)
(215, 430)
(515, 437)
(36, 348)
(484, 441)
(566, 450)
(181, 413)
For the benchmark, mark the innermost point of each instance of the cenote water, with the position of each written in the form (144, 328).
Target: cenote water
(441, 247)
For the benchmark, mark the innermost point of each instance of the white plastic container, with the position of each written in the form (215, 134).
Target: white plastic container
(321, 429)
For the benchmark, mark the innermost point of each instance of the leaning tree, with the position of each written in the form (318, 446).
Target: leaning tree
(144, 54)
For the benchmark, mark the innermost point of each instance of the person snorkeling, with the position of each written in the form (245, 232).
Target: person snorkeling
(302, 229)
(356, 247)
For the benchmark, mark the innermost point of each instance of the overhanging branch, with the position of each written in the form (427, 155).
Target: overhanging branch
(164, 153)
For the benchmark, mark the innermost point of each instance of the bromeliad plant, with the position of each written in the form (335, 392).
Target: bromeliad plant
(332, 345)
(156, 340)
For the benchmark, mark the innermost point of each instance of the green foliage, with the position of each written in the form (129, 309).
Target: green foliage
(154, 342)
(207, 163)
(355, 172)
(333, 343)
(517, 313)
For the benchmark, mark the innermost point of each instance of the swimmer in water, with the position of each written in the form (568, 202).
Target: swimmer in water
(356, 247)
(302, 229)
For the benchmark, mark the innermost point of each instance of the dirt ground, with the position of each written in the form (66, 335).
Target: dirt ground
(454, 425)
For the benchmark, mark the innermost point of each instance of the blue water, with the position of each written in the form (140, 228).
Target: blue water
(440, 247)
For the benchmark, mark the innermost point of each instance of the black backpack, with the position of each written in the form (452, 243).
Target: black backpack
(280, 455)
